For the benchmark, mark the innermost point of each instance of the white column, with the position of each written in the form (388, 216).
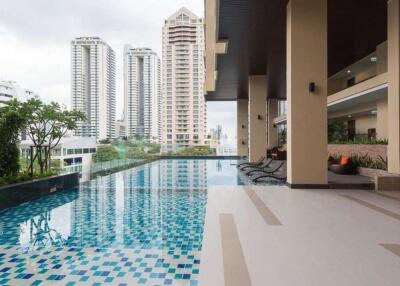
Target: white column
(307, 111)
(257, 117)
(394, 86)
(242, 127)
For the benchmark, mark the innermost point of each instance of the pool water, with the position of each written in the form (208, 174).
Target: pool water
(142, 226)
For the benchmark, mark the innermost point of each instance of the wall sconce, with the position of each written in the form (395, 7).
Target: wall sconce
(259, 117)
(312, 87)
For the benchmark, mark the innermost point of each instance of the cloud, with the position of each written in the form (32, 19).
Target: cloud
(224, 114)
(35, 38)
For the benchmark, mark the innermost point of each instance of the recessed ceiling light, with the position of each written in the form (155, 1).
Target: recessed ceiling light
(349, 116)
(374, 112)
(348, 71)
(374, 59)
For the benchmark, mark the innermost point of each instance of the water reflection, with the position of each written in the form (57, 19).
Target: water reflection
(93, 214)
(156, 206)
(42, 234)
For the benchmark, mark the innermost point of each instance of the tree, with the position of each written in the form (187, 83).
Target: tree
(60, 122)
(337, 130)
(45, 124)
(11, 124)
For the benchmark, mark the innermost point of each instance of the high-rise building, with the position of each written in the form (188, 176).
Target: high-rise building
(184, 110)
(142, 93)
(93, 86)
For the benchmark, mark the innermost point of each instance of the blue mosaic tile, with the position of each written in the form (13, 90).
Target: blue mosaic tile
(101, 233)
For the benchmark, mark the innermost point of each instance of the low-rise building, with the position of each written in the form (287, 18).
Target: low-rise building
(11, 90)
(74, 153)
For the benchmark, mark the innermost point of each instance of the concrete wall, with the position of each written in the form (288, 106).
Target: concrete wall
(382, 58)
(364, 123)
(361, 71)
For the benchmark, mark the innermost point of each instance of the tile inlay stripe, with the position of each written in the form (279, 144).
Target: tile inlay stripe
(374, 207)
(393, 248)
(235, 267)
(389, 196)
(268, 216)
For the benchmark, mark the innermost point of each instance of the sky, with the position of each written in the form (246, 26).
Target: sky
(35, 38)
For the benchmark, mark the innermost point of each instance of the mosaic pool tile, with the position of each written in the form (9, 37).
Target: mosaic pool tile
(138, 227)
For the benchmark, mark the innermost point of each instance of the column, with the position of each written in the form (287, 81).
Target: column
(394, 87)
(272, 113)
(382, 119)
(307, 109)
(242, 127)
(257, 117)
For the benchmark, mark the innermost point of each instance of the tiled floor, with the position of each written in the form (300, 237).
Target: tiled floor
(323, 238)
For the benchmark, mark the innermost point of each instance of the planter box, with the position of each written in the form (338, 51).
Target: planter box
(372, 173)
(384, 181)
(15, 194)
(373, 151)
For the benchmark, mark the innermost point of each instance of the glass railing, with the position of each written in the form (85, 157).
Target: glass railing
(108, 165)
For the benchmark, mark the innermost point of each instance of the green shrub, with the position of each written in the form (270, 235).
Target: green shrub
(195, 151)
(11, 124)
(360, 141)
(23, 177)
(336, 130)
(365, 161)
(105, 153)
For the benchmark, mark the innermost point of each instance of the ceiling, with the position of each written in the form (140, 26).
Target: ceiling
(256, 31)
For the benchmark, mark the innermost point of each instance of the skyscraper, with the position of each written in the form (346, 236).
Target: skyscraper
(93, 86)
(142, 93)
(184, 109)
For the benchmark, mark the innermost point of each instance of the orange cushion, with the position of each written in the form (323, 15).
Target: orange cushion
(344, 160)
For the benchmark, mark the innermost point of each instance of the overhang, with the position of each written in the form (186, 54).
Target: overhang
(248, 37)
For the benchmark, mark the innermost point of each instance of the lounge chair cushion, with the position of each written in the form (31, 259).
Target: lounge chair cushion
(344, 160)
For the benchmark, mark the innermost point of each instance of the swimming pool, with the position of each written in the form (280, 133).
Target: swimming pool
(142, 226)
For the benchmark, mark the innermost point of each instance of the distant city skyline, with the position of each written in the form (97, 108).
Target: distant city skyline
(35, 36)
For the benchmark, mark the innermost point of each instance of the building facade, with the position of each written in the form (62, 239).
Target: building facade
(11, 90)
(142, 93)
(93, 86)
(357, 98)
(184, 110)
(75, 154)
(289, 84)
